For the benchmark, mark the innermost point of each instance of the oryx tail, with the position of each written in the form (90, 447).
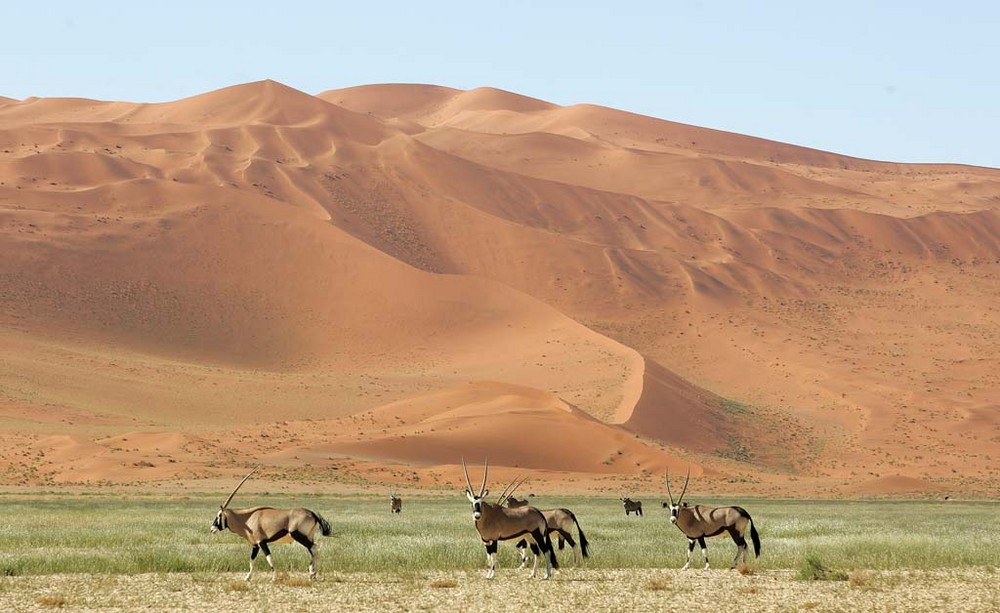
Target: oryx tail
(324, 526)
(753, 531)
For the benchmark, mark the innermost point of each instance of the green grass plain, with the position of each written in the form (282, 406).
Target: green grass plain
(107, 534)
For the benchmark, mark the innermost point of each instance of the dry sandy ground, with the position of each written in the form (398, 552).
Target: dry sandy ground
(570, 590)
(383, 279)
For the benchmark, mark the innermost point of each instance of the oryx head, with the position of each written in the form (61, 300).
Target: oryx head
(219, 524)
(476, 499)
(675, 507)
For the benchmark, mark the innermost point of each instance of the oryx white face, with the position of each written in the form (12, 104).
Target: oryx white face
(674, 509)
(477, 504)
(219, 523)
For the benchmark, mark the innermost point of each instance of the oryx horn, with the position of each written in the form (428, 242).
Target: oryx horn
(230, 499)
(686, 479)
(510, 489)
(486, 470)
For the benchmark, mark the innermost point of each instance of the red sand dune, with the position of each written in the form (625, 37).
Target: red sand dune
(382, 279)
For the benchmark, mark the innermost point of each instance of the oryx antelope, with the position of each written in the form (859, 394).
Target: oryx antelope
(395, 504)
(496, 523)
(699, 522)
(561, 522)
(513, 503)
(263, 525)
(632, 506)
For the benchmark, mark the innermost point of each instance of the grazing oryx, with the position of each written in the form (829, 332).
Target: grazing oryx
(632, 506)
(263, 525)
(496, 523)
(699, 521)
(395, 503)
(560, 521)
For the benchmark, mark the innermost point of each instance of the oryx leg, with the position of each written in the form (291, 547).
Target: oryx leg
(270, 562)
(311, 548)
(741, 547)
(704, 550)
(539, 538)
(687, 564)
(491, 559)
(253, 556)
(566, 538)
(522, 550)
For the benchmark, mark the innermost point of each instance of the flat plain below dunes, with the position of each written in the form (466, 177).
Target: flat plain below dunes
(574, 590)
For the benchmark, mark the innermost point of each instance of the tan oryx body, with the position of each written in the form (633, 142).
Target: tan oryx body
(561, 523)
(263, 525)
(496, 523)
(632, 506)
(395, 504)
(698, 522)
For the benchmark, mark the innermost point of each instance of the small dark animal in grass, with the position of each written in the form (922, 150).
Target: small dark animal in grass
(699, 522)
(496, 523)
(632, 506)
(395, 504)
(263, 525)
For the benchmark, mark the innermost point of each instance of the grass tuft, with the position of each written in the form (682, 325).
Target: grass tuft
(441, 583)
(658, 584)
(297, 581)
(52, 600)
(814, 570)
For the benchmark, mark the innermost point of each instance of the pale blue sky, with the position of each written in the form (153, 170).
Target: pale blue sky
(915, 81)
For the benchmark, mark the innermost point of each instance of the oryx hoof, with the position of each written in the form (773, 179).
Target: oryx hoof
(686, 566)
(706, 567)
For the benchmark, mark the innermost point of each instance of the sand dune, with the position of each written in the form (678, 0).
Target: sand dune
(385, 278)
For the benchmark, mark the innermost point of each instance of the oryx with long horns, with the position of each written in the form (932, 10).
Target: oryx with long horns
(699, 522)
(263, 525)
(496, 523)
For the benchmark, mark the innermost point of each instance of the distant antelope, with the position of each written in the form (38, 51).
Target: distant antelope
(496, 523)
(632, 506)
(395, 504)
(263, 525)
(561, 522)
(513, 503)
(699, 521)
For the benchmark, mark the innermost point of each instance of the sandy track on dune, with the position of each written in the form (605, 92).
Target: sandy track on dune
(570, 590)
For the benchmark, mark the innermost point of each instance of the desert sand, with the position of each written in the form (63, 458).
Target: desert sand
(360, 287)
